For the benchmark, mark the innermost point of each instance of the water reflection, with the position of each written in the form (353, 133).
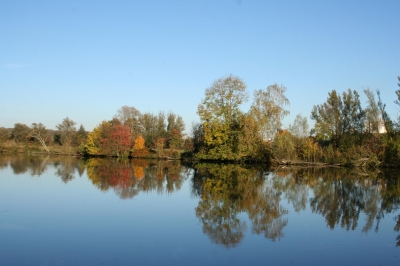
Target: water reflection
(234, 199)
(225, 192)
(128, 178)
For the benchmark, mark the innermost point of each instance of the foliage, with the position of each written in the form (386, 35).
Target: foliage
(219, 114)
(116, 140)
(337, 117)
(139, 148)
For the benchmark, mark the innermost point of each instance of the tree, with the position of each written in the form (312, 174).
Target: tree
(67, 131)
(116, 140)
(39, 132)
(299, 127)
(398, 93)
(81, 135)
(130, 116)
(20, 132)
(371, 113)
(175, 128)
(139, 147)
(268, 109)
(93, 145)
(220, 114)
(338, 116)
(223, 100)
(154, 127)
(299, 132)
(384, 115)
(4, 134)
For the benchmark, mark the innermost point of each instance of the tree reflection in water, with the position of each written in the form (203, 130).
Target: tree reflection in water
(226, 191)
(128, 178)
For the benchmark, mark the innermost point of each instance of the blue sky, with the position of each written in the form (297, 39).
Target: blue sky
(86, 59)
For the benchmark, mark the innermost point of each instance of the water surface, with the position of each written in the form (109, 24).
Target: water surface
(69, 211)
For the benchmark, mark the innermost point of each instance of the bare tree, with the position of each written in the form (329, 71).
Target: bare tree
(268, 109)
(130, 116)
(371, 112)
(67, 131)
(39, 132)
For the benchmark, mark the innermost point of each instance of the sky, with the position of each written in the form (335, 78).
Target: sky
(86, 59)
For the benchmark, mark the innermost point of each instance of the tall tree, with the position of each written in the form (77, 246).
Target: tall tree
(299, 127)
(338, 116)
(268, 109)
(175, 129)
(81, 135)
(384, 115)
(220, 114)
(154, 127)
(130, 116)
(372, 116)
(67, 131)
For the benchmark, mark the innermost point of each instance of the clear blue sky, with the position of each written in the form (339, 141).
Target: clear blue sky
(86, 59)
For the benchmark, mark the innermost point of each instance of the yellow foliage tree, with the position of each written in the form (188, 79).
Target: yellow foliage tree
(139, 148)
(139, 143)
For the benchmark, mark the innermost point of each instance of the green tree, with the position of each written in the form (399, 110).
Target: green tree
(220, 114)
(268, 109)
(67, 131)
(338, 117)
(175, 129)
(154, 127)
(81, 135)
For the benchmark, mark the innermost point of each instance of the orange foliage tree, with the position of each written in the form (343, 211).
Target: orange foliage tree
(139, 148)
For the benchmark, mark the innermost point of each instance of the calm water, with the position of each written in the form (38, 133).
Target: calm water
(68, 211)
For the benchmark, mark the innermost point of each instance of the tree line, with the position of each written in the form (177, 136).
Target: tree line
(344, 131)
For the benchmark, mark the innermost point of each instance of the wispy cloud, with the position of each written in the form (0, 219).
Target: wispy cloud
(16, 66)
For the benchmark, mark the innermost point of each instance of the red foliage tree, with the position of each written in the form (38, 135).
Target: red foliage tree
(116, 141)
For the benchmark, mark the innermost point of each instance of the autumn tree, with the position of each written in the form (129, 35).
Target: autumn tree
(67, 131)
(93, 144)
(38, 132)
(219, 113)
(139, 147)
(116, 140)
(268, 109)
